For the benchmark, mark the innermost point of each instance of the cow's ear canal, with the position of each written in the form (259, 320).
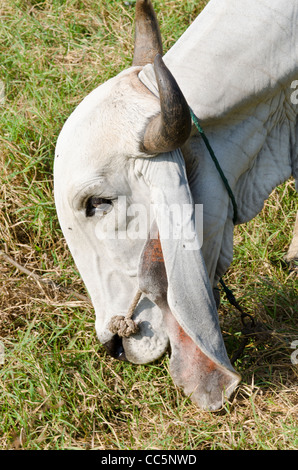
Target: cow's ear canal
(98, 206)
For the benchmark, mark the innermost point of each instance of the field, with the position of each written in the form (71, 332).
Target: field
(58, 388)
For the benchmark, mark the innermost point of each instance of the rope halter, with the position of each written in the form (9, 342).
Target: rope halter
(124, 326)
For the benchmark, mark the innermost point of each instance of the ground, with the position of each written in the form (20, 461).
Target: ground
(59, 389)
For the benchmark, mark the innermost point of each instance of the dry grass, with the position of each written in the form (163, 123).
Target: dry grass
(58, 388)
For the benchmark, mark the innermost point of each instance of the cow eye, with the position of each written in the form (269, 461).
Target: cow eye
(98, 205)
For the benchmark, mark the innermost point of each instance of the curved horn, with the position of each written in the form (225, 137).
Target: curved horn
(171, 128)
(147, 34)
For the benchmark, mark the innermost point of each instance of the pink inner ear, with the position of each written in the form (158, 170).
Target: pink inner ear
(207, 382)
(152, 272)
(189, 350)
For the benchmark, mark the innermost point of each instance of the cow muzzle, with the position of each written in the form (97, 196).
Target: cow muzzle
(114, 348)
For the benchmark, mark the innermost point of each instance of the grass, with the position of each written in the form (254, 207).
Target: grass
(59, 390)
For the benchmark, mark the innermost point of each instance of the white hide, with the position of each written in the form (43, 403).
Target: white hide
(89, 161)
(235, 65)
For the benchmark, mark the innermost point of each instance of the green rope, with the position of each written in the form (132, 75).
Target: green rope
(218, 167)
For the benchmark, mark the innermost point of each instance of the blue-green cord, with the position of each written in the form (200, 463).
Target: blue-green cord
(218, 167)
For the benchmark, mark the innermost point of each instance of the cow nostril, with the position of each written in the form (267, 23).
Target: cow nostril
(114, 348)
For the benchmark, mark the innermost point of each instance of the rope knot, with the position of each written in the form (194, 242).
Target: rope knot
(124, 326)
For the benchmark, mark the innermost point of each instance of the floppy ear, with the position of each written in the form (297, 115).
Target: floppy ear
(172, 273)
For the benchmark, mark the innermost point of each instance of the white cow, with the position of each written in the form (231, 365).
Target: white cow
(130, 148)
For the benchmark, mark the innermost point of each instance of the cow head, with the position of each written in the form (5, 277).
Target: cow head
(126, 211)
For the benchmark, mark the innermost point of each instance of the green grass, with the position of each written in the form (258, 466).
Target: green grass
(59, 390)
